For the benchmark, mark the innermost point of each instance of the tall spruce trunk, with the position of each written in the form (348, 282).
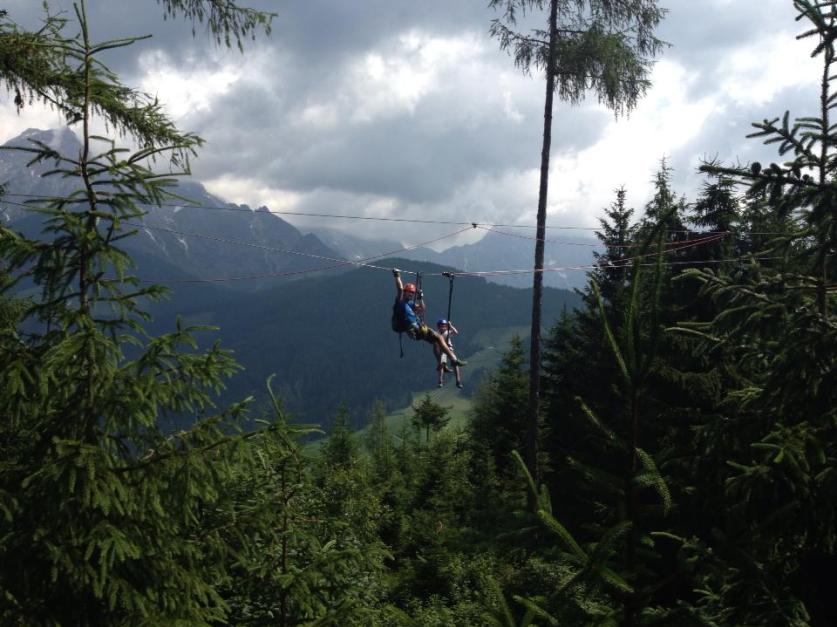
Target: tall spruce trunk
(825, 97)
(537, 283)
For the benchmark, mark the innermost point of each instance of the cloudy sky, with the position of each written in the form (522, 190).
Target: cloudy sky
(405, 108)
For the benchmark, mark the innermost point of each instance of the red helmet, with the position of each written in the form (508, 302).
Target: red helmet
(409, 287)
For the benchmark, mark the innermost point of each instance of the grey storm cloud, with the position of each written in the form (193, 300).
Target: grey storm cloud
(316, 32)
(458, 132)
(701, 34)
(420, 155)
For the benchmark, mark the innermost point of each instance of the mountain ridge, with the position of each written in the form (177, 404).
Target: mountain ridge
(327, 337)
(202, 245)
(203, 239)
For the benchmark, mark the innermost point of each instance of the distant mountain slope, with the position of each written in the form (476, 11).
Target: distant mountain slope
(328, 339)
(353, 247)
(20, 178)
(169, 232)
(192, 238)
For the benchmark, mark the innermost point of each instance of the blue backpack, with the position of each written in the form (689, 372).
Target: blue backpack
(403, 316)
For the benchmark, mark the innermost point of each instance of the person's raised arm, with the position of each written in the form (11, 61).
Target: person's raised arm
(421, 306)
(399, 285)
(452, 328)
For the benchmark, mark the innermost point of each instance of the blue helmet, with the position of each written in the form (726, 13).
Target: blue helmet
(441, 322)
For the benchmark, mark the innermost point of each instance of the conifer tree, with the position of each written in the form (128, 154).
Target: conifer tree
(629, 493)
(309, 565)
(579, 363)
(341, 448)
(102, 510)
(776, 326)
(499, 414)
(430, 416)
(617, 236)
(597, 45)
(33, 67)
(378, 440)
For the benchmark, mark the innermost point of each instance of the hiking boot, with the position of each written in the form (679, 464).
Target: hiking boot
(441, 384)
(459, 385)
(447, 368)
(460, 363)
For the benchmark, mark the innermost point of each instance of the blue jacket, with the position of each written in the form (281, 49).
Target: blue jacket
(403, 316)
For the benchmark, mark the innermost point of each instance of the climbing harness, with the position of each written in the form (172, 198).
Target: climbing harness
(417, 297)
(398, 319)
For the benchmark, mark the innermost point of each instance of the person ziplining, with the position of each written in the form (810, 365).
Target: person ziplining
(447, 331)
(407, 315)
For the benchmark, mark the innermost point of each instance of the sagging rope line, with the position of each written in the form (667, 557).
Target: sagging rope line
(595, 266)
(191, 205)
(621, 264)
(360, 263)
(338, 262)
(488, 229)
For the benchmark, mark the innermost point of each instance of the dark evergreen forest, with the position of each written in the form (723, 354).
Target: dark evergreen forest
(686, 453)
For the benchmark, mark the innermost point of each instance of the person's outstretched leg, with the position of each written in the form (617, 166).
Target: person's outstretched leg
(446, 349)
(439, 342)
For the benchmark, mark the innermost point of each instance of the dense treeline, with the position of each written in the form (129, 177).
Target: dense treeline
(687, 440)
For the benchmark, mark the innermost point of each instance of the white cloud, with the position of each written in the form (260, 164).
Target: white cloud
(583, 182)
(320, 116)
(509, 108)
(394, 80)
(185, 90)
(36, 115)
(252, 192)
(754, 73)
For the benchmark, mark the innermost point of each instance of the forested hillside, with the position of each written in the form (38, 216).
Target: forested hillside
(680, 467)
(328, 340)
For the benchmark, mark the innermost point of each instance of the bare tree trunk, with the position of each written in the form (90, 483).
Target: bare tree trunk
(537, 285)
(822, 295)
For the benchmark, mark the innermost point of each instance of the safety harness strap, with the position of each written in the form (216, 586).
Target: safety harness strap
(450, 291)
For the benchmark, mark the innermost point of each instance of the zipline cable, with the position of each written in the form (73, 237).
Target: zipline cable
(338, 262)
(622, 262)
(360, 263)
(488, 229)
(196, 205)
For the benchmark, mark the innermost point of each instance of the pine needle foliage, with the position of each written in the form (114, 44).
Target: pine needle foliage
(616, 552)
(102, 511)
(227, 22)
(606, 47)
(597, 45)
(776, 323)
(430, 416)
(301, 552)
(39, 65)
